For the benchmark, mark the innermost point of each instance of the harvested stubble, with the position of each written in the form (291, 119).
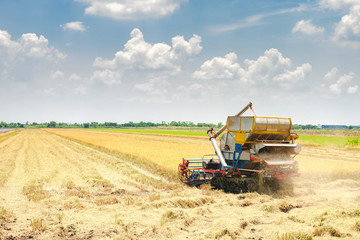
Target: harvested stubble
(86, 186)
(330, 163)
(6, 215)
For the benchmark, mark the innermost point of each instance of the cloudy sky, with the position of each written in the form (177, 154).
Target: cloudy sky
(183, 60)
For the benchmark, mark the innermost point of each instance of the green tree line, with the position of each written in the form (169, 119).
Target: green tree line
(142, 124)
(130, 124)
(329, 127)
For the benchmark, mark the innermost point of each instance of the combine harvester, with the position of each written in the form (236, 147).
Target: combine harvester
(254, 152)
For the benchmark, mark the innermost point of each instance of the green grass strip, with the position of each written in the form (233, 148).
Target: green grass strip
(2, 138)
(338, 141)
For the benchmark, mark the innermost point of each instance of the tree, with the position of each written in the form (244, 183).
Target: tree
(94, 124)
(52, 124)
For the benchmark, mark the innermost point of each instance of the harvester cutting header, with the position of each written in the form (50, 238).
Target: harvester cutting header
(252, 149)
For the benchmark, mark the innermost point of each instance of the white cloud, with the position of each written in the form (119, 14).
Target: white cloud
(191, 87)
(219, 68)
(255, 20)
(294, 76)
(139, 54)
(154, 86)
(266, 67)
(37, 47)
(29, 45)
(46, 91)
(131, 9)
(347, 30)
(251, 21)
(341, 83)
(155, 99)
(75, 26)
(57, 74)
(196, 91)
(332, 73)
(74, 77)
(107, 77)
(337, 4)
(353, 89)
(6, 42)
(272, 66)
(82, 90)
(306, 27)
(182, 48)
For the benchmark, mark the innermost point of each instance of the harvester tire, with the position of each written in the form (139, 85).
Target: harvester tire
(235, 184)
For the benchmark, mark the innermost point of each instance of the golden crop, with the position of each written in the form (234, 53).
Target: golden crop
(327, 162)
(166, 151)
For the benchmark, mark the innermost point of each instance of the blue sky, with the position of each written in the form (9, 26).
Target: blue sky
(183, 60)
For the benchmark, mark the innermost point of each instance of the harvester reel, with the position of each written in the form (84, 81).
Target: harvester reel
(184, 172)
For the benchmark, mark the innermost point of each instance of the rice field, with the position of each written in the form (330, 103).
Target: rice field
(328, 161)
(338, 140)
(193, 133)
(83, 184)
(163, 151)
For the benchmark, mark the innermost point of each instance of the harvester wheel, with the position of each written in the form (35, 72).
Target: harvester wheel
(281, 186)
(235, 184)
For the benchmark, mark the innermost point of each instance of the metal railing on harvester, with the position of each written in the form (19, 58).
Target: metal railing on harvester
(191, 171)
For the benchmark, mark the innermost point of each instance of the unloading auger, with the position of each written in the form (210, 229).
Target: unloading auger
(253, 151)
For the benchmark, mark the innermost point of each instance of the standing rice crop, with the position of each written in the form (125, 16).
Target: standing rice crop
(165, 151)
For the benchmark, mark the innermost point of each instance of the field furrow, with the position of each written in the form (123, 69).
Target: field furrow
(9, 150)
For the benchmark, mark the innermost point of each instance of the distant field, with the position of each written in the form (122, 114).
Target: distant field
(327, 132)
(195, 133)
(316, 138)
(337, 141)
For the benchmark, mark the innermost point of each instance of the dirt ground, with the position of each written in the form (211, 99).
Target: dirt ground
(52, 187)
